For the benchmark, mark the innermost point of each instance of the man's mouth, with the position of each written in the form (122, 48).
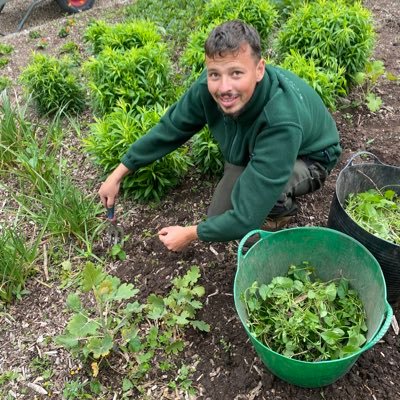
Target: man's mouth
(227, 101)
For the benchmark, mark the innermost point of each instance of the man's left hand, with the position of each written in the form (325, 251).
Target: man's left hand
(177, 238)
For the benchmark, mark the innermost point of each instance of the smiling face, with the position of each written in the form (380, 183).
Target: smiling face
(232, 78)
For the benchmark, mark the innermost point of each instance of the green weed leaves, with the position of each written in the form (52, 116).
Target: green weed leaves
(331, 33)
(112, 319)
(53, 84)
(301, 317)
(378, 212)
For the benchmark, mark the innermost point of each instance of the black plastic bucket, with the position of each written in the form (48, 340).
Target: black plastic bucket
(357, 178)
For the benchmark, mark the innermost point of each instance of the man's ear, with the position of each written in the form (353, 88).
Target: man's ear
(260, 70)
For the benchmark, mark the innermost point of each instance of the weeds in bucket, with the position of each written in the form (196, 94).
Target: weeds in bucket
(376, 211)
(304, 318)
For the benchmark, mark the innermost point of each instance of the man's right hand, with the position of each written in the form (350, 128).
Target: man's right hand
(109, 190)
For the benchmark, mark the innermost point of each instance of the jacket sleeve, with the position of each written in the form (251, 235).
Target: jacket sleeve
(259, 186)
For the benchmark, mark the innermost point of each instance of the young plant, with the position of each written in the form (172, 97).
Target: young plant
(53, 84)
(302, 317)
(331, 33)
(18, 256)
(367, 80)
(206, 154)
(4, 83)
(111, 321)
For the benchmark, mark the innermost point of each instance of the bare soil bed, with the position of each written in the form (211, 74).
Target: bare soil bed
(227, 366)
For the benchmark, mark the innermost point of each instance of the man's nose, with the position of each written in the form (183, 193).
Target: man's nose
(225, 84)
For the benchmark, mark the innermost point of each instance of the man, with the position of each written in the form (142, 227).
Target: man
(277, 138)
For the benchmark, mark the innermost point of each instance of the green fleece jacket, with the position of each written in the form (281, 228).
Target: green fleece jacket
(284, 119)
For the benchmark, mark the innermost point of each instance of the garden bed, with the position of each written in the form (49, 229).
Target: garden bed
(223, 362)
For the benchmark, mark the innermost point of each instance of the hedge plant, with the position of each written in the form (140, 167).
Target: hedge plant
(138, 77)
(53, 84)
(332, 33)
(123, 36)
(112, 135)
(329, 84)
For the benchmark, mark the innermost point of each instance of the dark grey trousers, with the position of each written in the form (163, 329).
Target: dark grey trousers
(306, 178)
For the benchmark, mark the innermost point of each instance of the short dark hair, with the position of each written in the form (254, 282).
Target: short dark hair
(229, 37)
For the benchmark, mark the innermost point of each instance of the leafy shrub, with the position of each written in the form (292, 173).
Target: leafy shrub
(332, 33)
(261, 14)
(328, 84)
(53, 84)
(206, 153)
(138, 76)
(110, 139)
(123, 36)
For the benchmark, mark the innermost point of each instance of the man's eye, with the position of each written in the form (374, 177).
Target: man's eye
(236, 73)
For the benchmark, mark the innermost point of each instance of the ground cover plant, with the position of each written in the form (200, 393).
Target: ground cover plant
(218, 364)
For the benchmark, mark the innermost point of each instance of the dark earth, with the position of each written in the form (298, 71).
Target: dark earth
(227, 366)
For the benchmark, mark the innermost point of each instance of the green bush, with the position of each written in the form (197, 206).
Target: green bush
(261, 14)
(327, 83)
(53, 84)
(112, 135)
(332, 33)
(123, 36)
(206, 153)
(138, 76)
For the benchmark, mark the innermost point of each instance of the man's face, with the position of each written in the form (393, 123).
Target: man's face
(232, 78)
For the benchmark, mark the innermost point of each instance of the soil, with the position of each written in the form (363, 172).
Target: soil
(227, 366)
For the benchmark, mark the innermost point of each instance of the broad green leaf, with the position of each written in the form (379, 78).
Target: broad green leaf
(125, 292)
(330, 292)
(74, 302)
(200, 325)
(100, 347)
(91, 277)
(374, 102)
(67, 341)
(81, 326)
(263, 291)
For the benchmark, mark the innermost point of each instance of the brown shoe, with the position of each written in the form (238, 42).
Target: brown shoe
(274, 224)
